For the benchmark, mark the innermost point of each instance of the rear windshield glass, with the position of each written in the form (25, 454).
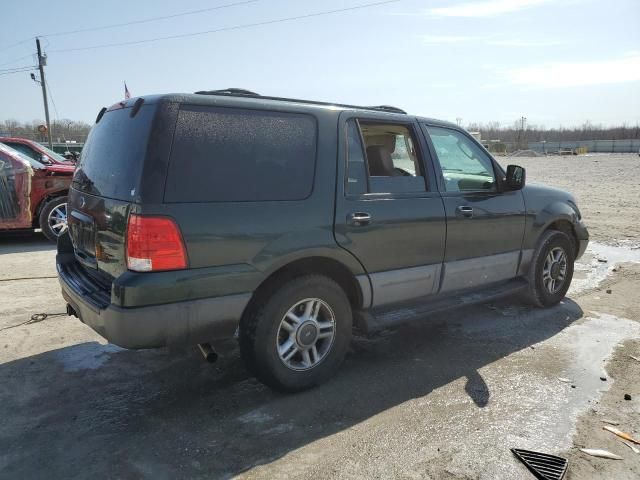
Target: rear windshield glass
(111, 160)
(226, 155)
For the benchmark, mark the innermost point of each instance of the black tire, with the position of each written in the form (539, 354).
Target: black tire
(539, 292)
(43, 220)
(259, 333)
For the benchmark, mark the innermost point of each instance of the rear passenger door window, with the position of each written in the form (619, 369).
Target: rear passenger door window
(465, 166)
(383, 158)
(24, 149)
(357, 181)
(233, 155)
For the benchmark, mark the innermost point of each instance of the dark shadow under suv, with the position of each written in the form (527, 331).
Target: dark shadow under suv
(288, 223)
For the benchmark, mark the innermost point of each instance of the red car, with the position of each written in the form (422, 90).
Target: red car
(35, 150)
(33, 191)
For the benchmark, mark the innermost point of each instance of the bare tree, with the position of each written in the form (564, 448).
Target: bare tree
(536, 133)
(62, 130)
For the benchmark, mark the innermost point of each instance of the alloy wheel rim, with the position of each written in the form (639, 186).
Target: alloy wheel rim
(554, 270)
(57, 219)
(306, 334)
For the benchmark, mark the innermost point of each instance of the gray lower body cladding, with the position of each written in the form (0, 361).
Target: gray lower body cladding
(179, 323)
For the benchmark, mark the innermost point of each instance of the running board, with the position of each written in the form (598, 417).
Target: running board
(379, 319)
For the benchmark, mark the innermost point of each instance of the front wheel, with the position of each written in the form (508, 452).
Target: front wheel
(299, 335)
(53, 218)
(551, 269)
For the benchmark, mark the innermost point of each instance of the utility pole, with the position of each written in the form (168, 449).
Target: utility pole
(42, 61)
(522, 139)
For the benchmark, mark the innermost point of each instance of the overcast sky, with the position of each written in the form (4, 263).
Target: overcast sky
(557, 62)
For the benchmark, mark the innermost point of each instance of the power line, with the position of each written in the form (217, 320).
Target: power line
(147, 20)
(16, 44)
(224, 29)
(11, 73)
(53, 102)
(19, 70)
(133, 22)
(16, 60)
(16, 70)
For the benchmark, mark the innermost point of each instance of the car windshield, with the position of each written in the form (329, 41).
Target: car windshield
(34, 163)
(56, 156)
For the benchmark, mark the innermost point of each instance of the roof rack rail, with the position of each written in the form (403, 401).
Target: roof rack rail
(228, 91)
(241, 92)
(386, 108)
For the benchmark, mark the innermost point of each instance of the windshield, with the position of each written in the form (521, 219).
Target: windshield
(56, 156)
(12, 151)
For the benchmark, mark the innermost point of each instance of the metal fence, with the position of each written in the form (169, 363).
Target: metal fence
(595, 146)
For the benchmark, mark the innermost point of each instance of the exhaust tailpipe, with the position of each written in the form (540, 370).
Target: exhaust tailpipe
(208, 352)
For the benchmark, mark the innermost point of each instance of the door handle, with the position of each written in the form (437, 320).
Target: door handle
(359, 219)
(465, 211)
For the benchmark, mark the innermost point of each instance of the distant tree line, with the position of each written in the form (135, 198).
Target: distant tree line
(61, 130)
(66, 129)
(515, 134)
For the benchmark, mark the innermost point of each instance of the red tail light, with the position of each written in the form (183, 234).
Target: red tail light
(154, 244)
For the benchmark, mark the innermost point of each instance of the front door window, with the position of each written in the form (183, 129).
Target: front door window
(465, 167)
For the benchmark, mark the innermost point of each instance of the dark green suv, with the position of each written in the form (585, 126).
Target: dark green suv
(288, 223)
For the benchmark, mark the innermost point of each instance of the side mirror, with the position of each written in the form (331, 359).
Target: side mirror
(515, 178)
(44, 159)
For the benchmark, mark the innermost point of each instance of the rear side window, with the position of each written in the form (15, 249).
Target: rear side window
(18, 153)
(112, 158)
(227, 155)
(388, 162)
(356, 168)
(24, 150)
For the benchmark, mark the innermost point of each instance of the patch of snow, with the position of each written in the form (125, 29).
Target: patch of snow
(595, 270)
(255, 416)
(86, 356)
(591, 344)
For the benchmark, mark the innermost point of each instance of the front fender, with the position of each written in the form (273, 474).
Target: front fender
(543, 212)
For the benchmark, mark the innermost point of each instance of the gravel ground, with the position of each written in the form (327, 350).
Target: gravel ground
(442, 398)
(607, 187)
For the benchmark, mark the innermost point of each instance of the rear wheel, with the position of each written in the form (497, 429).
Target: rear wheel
(53, 218)
(299, 335)
(551, 269)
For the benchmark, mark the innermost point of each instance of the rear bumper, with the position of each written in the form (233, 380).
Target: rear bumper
(178, 323)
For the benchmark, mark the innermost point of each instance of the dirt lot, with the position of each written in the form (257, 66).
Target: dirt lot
(442, 398)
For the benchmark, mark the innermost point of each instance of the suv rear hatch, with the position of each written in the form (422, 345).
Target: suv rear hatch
(105, 186)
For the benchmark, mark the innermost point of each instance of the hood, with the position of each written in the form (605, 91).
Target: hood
(541, 190)
(65, 163)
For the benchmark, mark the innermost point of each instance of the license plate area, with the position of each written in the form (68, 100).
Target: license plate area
(83, 236)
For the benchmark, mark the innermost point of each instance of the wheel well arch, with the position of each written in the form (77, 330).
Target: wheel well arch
(43, 201)
(328, 267)
(565, 227)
